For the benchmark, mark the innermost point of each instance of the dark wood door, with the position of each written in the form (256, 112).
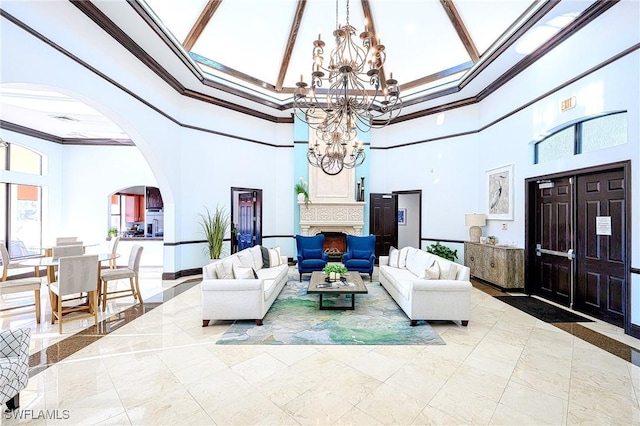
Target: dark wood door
(383, 220)
(553, 269)
(246, 220)
(601, 277)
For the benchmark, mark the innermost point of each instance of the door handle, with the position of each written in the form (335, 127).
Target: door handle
(568, 254)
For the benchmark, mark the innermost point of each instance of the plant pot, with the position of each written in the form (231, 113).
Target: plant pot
(301, 197)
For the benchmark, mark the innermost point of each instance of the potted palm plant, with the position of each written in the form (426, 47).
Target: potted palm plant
(214, 226)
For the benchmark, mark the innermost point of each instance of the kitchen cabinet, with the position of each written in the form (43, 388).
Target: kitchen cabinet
(502, 266)
(134, 208)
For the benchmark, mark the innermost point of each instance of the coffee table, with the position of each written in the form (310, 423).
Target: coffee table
(354, 285)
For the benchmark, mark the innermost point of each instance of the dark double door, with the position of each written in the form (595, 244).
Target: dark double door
(579, 253)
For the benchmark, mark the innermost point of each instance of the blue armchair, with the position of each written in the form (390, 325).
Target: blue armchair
(360, 255)
(311, 256)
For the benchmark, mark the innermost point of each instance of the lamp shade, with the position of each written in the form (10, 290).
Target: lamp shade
(475, 219)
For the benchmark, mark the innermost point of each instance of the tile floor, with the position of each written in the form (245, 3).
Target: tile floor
(163, 367)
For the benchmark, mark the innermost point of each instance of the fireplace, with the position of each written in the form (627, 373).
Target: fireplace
(344, 217)
(335, 245)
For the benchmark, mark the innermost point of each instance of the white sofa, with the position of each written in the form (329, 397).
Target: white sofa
(249, 296)
(425, 286)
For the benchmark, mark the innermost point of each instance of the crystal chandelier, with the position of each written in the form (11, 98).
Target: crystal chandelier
(353, 98)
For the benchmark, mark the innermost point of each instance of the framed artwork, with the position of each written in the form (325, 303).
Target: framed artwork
(500, 193)
(402, 216)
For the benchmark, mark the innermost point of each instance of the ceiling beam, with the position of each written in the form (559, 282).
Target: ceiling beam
(200, 24)
(461, 29)
(291, 42)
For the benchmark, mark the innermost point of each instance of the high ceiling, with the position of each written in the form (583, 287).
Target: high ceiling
(427, 42)
(248, 54)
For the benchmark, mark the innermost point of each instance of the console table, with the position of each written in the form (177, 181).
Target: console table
(502, 266)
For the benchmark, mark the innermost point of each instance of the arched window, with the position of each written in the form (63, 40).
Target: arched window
(586, 135)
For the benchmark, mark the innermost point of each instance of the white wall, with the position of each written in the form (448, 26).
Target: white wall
(195, 168)
(452, 172)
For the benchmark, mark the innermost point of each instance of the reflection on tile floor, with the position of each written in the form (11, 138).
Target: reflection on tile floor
(160, 366)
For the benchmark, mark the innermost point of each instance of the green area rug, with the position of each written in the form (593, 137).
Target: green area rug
(294, 319)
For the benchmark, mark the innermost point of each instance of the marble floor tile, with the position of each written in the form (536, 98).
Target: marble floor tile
(543, 407)
(463, 405)
(389, 405)
(157, 365)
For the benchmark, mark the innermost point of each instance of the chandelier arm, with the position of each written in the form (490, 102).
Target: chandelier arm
(352, 101)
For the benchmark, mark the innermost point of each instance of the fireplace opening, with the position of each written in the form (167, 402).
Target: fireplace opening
(335, 245)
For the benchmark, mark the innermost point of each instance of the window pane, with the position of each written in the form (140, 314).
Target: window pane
(25, 220)
(604, 132)
(24, 160)
(557, 146)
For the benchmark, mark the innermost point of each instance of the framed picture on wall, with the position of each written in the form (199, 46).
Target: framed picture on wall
(402, 216)
(500, 193)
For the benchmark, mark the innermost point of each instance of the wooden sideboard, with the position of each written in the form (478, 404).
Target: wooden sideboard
(502, 266)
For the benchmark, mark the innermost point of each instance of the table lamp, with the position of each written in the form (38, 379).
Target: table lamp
(475, 221)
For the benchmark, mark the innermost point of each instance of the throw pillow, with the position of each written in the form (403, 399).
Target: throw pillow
(256, 253)
(432, 272)
(418, 261)
(224, 268)
(240, 272)
(411, 255)
(274, 256)
(448, 271)
(312, 253)
(361, 254)
(402, 257)
(265, 257)
(246, 258)
(394, 254)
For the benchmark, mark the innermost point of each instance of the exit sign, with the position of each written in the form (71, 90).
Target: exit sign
(568, 103)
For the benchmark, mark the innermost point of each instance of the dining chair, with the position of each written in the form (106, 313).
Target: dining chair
(114, 251)
(6, 261)
(60, 241)
(76, 275)
(18, 285)
(130, 272)
(68, 250)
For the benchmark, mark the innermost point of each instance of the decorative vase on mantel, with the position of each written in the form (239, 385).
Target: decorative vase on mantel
(301, 197)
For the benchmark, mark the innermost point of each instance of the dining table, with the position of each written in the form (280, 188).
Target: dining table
(48, 250)
(51, 262)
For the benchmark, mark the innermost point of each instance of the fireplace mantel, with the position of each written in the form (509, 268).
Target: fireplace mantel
(346, 216)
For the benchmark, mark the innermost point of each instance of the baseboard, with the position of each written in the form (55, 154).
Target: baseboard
(180, 274)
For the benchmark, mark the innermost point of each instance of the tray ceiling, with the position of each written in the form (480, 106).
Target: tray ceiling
(248, 54)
